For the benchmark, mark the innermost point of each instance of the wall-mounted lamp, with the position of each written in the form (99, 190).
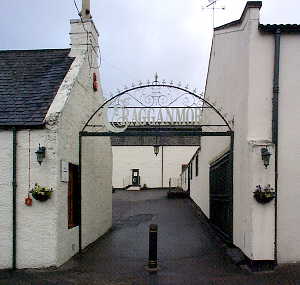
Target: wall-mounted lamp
(156, 149)
(40, 154)
(265, 156)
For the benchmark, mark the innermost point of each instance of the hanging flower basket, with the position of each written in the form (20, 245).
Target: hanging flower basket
(41, 193)
(265, 195)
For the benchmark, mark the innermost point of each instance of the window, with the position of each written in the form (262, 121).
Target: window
(191, 169)
(73, 196)
(197, 165)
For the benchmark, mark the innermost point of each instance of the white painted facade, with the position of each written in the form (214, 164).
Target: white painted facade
(42, 234)
(240, 81)
(155, 171)
(289, 151)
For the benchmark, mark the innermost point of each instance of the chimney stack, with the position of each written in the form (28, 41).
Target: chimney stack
(84, 34)
(86, 10)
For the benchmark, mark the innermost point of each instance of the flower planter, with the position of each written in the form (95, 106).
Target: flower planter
(41, 197)
(41, 194)
(264, 197)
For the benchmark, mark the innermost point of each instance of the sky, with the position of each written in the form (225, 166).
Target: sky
(137, 37)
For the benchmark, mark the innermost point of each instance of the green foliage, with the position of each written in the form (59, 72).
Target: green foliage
(39, 190)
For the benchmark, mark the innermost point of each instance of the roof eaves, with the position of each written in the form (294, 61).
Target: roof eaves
(282, 28)
(22, 126)
(34, 50)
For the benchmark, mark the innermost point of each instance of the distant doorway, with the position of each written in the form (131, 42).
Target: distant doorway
(135, 177)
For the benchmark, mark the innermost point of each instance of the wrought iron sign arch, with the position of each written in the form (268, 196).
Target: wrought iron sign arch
(158, 108)
(155, 104)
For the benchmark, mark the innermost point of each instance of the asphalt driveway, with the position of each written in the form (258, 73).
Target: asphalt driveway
(189, 251)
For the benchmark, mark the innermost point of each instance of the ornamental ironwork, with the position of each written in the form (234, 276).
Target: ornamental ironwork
(156, 104)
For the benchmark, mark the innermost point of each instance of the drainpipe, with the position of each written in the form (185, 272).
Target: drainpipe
(80, 196)
(162, 166)
(275, 103)
(14, 185)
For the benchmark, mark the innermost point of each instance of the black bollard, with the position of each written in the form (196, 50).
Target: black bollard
(152, 261)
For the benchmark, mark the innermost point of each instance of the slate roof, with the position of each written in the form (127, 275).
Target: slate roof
(29, 81)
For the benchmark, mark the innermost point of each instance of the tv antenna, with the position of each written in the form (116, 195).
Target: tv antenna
(212, 6)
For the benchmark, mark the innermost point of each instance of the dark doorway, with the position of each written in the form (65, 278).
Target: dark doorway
(221, 194)
(135, 177)
(73, 196)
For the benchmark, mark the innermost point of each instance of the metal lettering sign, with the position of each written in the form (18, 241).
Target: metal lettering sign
(156, 104)
(117, 119)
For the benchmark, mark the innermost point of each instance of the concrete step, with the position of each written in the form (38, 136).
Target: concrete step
(134, 188)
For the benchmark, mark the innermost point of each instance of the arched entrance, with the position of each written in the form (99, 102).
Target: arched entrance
(162, 107)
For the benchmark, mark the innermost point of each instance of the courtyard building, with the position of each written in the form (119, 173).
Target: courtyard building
(250, 195)
(46, 96)
(151, 162)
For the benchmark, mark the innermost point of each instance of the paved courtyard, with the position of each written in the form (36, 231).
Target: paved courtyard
(189, 252)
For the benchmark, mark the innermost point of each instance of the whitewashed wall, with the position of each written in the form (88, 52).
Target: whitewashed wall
(96, 175)
(289, 151)
(174, 157)
(240, 81)
(126, 158)
(36, 225)
(96, 152)
(6, 222)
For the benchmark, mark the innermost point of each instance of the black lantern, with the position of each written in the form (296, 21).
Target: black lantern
(265, 156)
(156, 149)
(40, 154)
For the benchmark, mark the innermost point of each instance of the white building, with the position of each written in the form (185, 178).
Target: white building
(246, 80)
(46, 96)
(135, 164)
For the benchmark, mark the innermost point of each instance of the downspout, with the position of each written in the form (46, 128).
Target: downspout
(14, 185)
(231, 182)
(80, 196)
(275, 104)
(162, 166)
